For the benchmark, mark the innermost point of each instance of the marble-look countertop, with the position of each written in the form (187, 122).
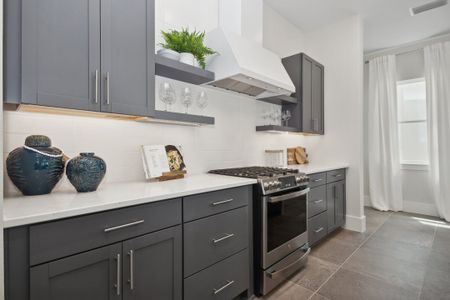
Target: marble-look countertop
(312, 168)
(26, 210)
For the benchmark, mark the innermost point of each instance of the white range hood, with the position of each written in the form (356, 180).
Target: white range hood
(243, 64)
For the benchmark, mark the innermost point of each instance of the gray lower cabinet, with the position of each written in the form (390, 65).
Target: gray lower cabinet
(326, 204)
(95, 55)
(152, 266)
(93, 275)
(336, 205)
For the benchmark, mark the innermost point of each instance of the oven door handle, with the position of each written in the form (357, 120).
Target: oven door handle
(276, 273)
(288, 196)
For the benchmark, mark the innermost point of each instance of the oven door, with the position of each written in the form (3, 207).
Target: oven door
(284, 225)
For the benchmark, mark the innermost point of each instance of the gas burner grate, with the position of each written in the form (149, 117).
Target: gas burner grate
(254, 172)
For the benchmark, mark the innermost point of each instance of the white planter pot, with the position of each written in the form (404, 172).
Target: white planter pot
(169, 53)
(187, 58)
(196, 63)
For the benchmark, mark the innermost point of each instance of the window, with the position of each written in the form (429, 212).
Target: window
(412, 119)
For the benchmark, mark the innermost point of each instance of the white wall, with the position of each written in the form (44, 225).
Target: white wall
(340, 48)
(232, 141)
(416, 187)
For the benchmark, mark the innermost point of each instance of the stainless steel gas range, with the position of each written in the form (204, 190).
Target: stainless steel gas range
(280, 223)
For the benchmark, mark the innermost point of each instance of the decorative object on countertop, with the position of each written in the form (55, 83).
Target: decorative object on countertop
(175, 158)
(190, 46)
(36, 167)
(163, 162)
(86, 171)
(275, 158)
(297, 156)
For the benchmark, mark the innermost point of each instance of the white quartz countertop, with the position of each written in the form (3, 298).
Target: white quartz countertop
(25, 210)
(312, 168)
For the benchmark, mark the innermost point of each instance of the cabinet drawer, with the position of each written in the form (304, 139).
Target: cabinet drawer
(57, 239)
(203, 205)
(209, 240)
(223, 281)
(335, 175)
(317, 179)
(317, 228)
(317, 201)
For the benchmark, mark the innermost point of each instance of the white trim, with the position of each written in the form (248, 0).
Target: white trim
(355, 223)
(415, 166)
(408, 47)
(428, 209)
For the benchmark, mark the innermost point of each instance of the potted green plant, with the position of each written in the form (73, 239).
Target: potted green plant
(189, 45)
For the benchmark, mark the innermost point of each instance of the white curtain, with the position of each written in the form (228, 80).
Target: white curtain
(385, 185)
(437, 76)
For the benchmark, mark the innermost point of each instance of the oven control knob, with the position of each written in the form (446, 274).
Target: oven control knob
(277, 183)
(266, 185)
(271, 184)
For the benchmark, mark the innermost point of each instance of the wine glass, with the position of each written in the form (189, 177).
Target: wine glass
(286, 116)
(167, 94)
(186, 98)
(202, 100)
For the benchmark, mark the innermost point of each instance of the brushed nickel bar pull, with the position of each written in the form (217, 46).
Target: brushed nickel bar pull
(222, 202)
(217, 291)
(215, 241)
(107, 79)
(117, 285)
(317, 180)
(131, 254)
(318, 201)
(96, 85)
(319, 230)
(124, 226)
(338, 175)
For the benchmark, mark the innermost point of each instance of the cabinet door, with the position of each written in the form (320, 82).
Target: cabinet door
(127, 56)
(336, 205)
(307, 94)
(317, 107)
(61, 53)
(93, 275)
(152, 266)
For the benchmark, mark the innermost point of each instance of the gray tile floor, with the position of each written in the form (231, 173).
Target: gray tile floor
(400, 256)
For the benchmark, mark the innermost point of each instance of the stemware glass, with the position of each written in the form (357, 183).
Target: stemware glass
(286, 116)
(167, 94)
(186, 98)
(202, 100)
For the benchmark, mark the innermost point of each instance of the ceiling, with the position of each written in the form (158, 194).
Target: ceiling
(387, 23)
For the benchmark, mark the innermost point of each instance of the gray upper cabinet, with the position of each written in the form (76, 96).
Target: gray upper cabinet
(127, 56)
(152, 266)
(95, 55)
(60, 53)
(308, 78)
(93, 275)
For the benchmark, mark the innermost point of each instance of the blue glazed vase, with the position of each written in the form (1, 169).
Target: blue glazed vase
(37, 167)
(85, 172)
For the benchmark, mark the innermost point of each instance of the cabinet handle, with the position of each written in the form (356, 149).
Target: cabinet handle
(338, 175)
(221, 202)
(318, 201)
(218, 240)
(319, 230)
(123, 226)
(117, 285)
(317, 180)
(131, 281)
(96, 86)
(107, 80)
(217, 291)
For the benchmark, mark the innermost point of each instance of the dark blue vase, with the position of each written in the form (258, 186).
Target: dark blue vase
(85, 172)
(37, 167)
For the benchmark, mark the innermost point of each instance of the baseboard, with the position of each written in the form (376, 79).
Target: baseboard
(428, 209)
(355, 223)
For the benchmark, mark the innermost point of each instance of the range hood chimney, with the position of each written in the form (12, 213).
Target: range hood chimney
(243, 65)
